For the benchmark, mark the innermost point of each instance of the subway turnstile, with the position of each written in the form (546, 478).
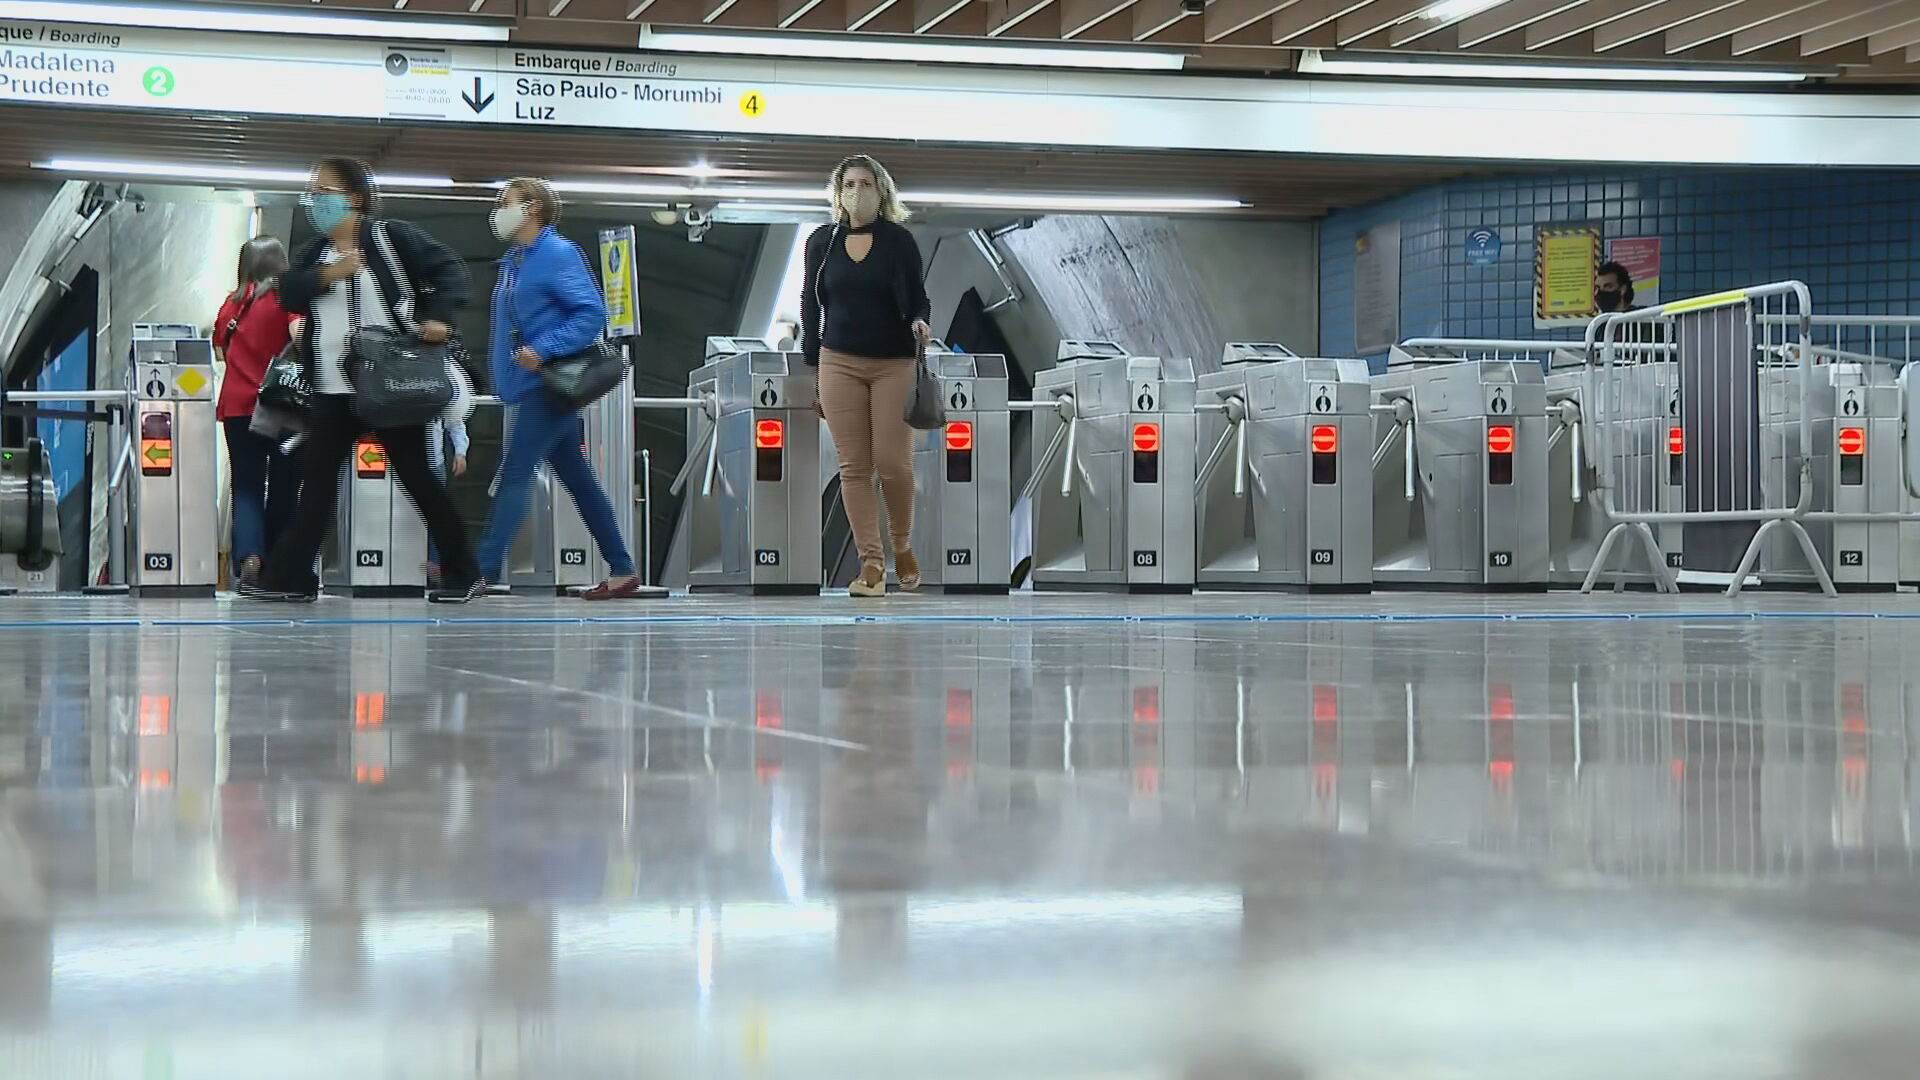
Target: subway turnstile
(554, 550)
(1460, 473)
(177, 448)
(1112, 491)
(752, 472)
(1285, 488)
(379, 540)
(1858, 408)
(962, 520)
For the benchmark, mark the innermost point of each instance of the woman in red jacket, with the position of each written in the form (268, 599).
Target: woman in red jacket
(250, 331)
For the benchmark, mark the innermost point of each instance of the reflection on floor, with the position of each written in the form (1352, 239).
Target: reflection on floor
(1398, 836)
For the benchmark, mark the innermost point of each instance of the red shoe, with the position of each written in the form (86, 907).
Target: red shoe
(607, 590)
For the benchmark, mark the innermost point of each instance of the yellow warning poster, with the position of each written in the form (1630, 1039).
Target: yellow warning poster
(1565, 258)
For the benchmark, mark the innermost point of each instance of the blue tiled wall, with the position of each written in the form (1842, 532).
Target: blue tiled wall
(1851, 236)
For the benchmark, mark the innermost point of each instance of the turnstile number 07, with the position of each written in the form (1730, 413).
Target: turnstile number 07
(963, 508)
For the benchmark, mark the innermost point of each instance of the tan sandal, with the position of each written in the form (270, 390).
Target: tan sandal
(907, 569)
(871, 582)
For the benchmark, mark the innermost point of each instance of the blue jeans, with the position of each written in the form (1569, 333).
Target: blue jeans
(540, 430)
(266, 487)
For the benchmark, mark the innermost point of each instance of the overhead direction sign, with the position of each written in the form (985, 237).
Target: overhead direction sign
(201, 72)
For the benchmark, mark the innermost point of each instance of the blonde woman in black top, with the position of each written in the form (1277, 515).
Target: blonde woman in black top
(863, 316)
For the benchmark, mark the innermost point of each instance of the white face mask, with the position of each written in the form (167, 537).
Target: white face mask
(507, 219)
(861, 204)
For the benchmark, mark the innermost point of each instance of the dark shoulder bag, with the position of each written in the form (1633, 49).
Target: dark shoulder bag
(398, 380)
(926, 408)
(586, 376)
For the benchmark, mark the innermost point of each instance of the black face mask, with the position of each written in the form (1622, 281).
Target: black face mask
(1607, 300)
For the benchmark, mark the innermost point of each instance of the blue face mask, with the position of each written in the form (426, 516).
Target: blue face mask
(327, 209)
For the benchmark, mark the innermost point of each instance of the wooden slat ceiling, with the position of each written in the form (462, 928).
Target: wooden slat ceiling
(1855, 41)
(1271, 187)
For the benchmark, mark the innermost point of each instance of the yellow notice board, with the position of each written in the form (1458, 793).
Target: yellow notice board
(620, 283)
(1565, 259)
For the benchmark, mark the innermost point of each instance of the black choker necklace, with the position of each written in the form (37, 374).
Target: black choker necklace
(867, 228)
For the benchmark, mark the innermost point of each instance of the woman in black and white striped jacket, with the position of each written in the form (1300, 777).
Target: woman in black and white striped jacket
(364, 271)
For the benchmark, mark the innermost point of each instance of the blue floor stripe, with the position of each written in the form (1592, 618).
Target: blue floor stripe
(221, 622)
(415, 621)
(64, 624)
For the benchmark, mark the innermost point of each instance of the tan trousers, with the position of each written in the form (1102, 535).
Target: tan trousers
(865, 402)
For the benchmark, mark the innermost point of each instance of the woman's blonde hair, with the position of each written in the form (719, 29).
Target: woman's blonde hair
(540, 194)
(891, 208)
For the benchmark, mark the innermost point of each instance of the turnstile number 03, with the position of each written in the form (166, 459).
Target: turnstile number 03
(176, 496)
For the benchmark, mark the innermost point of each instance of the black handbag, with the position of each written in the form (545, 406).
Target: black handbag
(926, 410)
(586, 376)
(284, 386)
(398, 380)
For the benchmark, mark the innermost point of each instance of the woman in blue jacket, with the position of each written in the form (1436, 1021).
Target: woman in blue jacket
(546, 306)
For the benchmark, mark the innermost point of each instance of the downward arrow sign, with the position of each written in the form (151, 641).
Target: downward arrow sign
(476, 101)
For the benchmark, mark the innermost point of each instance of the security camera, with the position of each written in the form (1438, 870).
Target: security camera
(1193, 7)
(698, 221)
(666, 217)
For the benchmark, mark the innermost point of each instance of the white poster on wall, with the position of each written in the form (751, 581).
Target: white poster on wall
(1376, 289)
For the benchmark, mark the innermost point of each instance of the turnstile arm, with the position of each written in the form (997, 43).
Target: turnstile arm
(1064, 405)
(1066, 474)
(1213, 457)
(710, 441)
(1567, 415)
(1402, 411)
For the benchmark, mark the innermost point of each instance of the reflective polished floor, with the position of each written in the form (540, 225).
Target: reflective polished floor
(1217, 837)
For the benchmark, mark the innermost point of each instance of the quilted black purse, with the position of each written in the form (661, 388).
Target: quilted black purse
(398, 380)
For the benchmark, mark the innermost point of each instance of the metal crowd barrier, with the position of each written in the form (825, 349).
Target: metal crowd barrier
(1742, 371)
(1576, 524)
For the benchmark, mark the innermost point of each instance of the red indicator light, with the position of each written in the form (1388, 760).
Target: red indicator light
(1146, 704)
(769, 434)
(1500, 439)
(156, 714)
(959, 434)
(1325, 438)
(767, 712)
(1146, 438)
(1853, 441)
(959, 708)
(1676, 441)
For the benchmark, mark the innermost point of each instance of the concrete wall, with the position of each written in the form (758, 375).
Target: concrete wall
(21, 204)
(1163, 286)
(1173, 286)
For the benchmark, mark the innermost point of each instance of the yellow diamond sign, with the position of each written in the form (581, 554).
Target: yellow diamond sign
(191, 381)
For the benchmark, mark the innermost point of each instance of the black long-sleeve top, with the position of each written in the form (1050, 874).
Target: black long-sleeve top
(420, 279)
(869, 306)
